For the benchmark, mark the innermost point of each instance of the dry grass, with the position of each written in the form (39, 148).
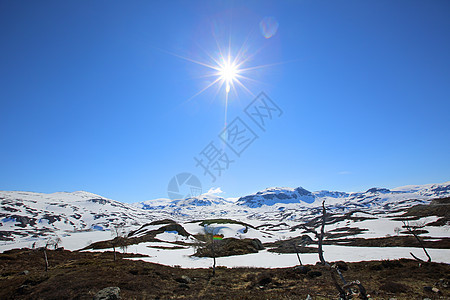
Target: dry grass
(75, 275)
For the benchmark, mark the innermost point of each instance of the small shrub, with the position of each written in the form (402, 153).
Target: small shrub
(390, 264)
(342, 265)
(394, 287)
(377, 267)
(314, 274)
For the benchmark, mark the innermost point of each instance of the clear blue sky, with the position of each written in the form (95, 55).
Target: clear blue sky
(94, 95)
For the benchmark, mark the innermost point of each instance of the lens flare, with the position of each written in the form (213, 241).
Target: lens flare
(268, 27)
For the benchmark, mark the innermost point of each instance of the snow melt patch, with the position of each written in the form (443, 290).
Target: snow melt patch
(266, 259)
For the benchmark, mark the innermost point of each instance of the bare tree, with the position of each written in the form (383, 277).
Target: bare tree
(45, 257)
(119, 238)
(397, 230)
(334, 269)
(48, 242)
(319, 236)
(213, 254)
(412, 229)
(53, 242)
(211, 244)
(322, 234)
(124, 242)
(57, 242)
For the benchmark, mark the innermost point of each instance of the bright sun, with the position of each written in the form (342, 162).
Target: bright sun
(228, 72)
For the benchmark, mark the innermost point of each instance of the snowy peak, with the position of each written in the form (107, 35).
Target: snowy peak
(378, 190)
(201, 200)
(272, 196)
(302, 192)
(330, 194)
(302, 196)
(26, 216)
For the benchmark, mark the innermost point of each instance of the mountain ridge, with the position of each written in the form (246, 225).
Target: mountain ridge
(286, 195)
(28, 216)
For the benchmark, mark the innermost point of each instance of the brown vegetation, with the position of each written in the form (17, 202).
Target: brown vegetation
(230, 246)
(79, 275)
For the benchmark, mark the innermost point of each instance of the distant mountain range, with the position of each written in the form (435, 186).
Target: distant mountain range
(25, 216)
(301, 196)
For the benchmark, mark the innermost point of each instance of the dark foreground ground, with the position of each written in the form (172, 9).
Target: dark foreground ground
(75, 275)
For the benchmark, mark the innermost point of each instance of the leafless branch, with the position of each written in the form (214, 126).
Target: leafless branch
(341, 291)
(310, 230)
(298, 255)
(412, 231)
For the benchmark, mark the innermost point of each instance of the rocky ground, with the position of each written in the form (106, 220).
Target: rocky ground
(81, 275)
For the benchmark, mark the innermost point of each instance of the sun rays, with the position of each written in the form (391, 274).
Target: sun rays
(228, 70)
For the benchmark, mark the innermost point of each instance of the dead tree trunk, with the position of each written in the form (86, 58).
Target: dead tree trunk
(321, 235)
(45, 258)
(334, 269)
(410, 230)
(339, 273)
(341, 291)
(298, 255)
(114, 250)
(214, 257)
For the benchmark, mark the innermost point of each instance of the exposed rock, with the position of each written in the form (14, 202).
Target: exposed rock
(6, 236)
(99, 201)
(51, 218)
(378, 190)
(23, 220)
(109, 293)
(184, 279)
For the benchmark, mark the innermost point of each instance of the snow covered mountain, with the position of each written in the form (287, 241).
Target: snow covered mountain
(26, 214)
(273, 196)
(202, 200)
(26, 217)
(301, 198)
